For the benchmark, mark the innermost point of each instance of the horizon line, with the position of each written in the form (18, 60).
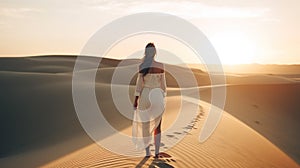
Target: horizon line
(191, 63)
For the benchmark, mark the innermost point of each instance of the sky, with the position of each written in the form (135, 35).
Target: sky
(241, 31)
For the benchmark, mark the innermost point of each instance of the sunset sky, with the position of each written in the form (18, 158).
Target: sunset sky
(242, 31)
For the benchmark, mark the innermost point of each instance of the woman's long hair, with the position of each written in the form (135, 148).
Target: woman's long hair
(150, 52)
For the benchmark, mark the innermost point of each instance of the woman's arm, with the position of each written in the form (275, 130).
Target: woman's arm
(138, 89)
(163, 84)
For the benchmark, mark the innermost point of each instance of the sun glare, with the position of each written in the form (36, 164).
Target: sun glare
(234, 47)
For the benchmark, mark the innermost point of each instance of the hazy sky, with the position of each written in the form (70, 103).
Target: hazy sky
(242, 31)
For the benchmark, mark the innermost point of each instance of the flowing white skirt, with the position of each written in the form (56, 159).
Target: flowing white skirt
(147, 117)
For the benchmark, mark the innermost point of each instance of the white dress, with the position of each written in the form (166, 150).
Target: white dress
(151, 90)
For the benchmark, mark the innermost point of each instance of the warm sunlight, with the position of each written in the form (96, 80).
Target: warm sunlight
(234, 47)
(135, 83)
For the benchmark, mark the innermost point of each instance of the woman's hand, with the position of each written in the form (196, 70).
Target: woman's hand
(135, 104)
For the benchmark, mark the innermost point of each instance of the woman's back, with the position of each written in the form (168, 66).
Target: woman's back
(155, 76)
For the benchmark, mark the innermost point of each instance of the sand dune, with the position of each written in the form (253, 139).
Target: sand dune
(259, 79)
(40, 126)
(223, 149)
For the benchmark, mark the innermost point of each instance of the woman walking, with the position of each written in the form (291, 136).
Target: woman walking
(149, 102)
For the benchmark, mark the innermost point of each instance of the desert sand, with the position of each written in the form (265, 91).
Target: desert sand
(40, 127)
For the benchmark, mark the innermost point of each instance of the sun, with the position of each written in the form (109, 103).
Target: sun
(234, 47)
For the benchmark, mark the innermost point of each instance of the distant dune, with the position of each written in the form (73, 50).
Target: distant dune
(40, 127)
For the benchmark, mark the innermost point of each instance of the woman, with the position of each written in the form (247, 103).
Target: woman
(149, 102)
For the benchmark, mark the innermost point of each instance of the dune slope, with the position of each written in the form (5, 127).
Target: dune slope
(39, 124)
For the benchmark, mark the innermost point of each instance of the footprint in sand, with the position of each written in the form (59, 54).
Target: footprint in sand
(172, 136)
(187, 133)
(177, 133)
(257, 122)
(255, 106)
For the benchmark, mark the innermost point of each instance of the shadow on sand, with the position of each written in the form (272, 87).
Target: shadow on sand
(163, 161)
